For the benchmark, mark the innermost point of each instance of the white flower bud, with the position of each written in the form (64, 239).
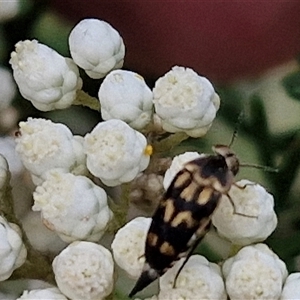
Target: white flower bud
(40, 237)
(8, 150)
(124, 95)
(7, 85)
(128, 246)
(8, 10)
(73, 206)
(42, 294)
(84, 270)
(44, 145)
(96, 47)
(12, 251)
(185, 102)
(116, 153)
(258, 220)
(177, 165)
(255, 272)
(199, 279)
(291, 287)
(44, 77)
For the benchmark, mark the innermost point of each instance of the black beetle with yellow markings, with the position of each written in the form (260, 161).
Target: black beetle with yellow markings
(184, 214)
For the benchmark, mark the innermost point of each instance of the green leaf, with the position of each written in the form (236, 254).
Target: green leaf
(232, 104)
(291, 84)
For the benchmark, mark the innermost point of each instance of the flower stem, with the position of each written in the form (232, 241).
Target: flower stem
(84, 99)
(171, 141)
(234, 249)
(120, 210)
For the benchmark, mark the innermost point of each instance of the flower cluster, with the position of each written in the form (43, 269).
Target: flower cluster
(182, 100)
(75, 177)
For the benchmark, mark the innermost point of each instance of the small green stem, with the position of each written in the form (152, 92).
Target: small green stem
(171, 141)
(125, 200)
(36, 266)
(84, 99)
(234, 249)
(120, 210)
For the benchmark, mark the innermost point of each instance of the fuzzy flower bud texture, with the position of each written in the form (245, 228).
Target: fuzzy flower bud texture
(199, 279)
(255, 272)
(116, 153)
(84, 270)
(128, 246)
(258, 219)
(291, 288)
(124, 95)
(44, 77)
(73, 206)
(185, 102)
(44, 145)
(12, 251)
(96, 47)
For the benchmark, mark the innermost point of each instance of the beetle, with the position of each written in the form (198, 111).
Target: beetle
(183, 216)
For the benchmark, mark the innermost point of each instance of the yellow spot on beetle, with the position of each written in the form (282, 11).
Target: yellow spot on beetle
(204, 196)
(184, 217)
(169, 210)
(152, 239)
(188, 194)
(167, 249)
(182, 179)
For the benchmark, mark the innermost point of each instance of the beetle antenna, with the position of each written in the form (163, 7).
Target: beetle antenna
(236, 127)
(265, 168)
